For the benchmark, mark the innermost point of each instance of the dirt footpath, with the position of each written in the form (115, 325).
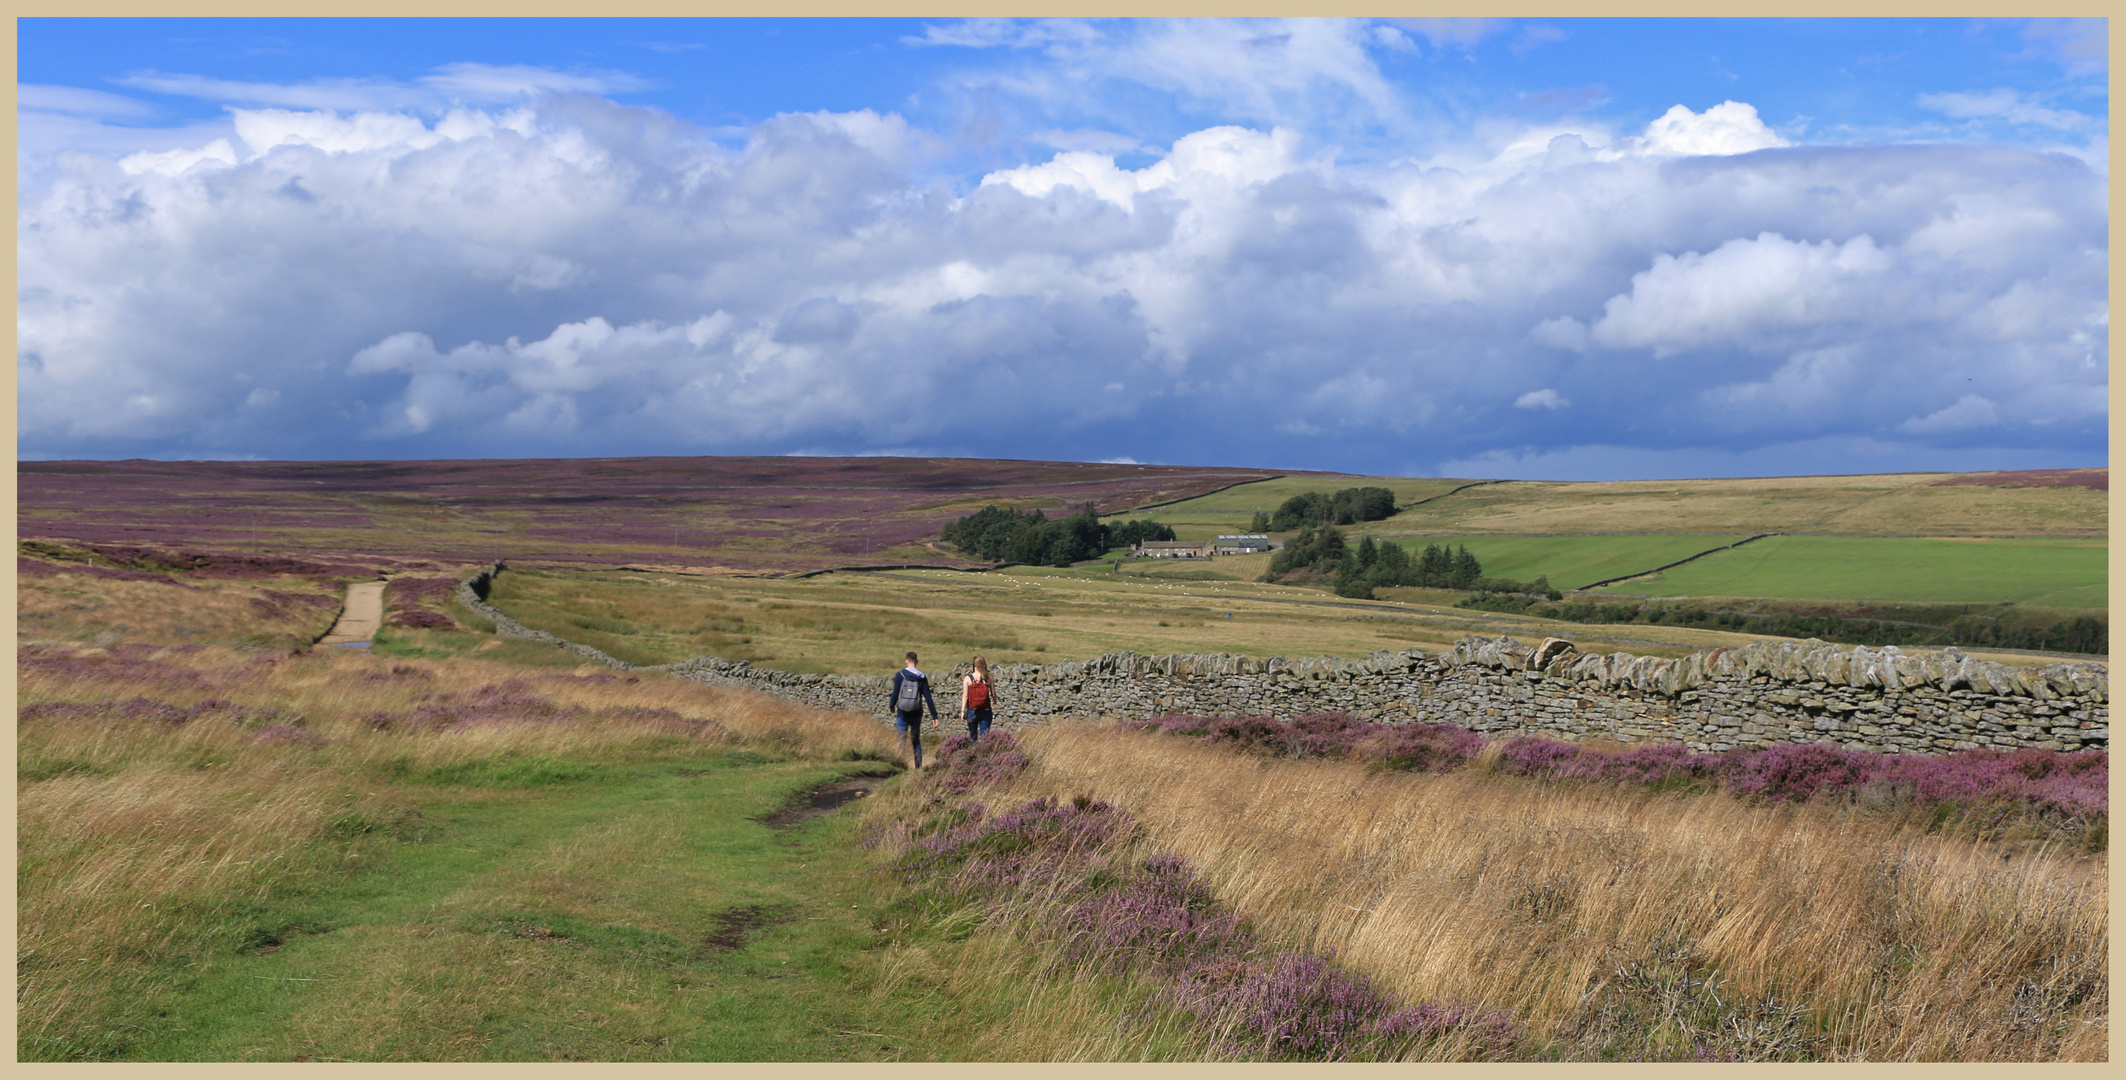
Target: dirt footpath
(361, 617)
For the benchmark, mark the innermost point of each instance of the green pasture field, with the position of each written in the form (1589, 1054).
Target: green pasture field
(2050, 573)
(1570, 561)
(1882, 505)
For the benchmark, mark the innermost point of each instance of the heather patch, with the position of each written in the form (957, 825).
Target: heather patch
(1413, 747)
(125, 662)
(732, 511)
(276, 605)
(1983, 789)
(1063, 874)
(398, 673)
(136, 709)
(511, 702)
(411, 602)
(140, 710)
(962, 764)
(1299, 1006)
(28, 567)
(224, 564)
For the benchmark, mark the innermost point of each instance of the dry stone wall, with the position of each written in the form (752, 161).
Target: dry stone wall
(1768, 692)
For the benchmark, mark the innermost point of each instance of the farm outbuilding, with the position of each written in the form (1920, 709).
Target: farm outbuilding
(1175, 549)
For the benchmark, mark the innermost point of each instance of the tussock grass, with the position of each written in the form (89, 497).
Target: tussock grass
(1021, 1007)
(1617, 923)
(115, 874)
(76, 608)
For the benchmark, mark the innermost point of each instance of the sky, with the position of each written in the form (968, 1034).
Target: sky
(1543, 249)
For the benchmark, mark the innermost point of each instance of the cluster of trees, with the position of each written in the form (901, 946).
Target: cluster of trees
(1359, 570)
(2080, 635)
(1001, 534)
(1131, 533)
(1312, 509)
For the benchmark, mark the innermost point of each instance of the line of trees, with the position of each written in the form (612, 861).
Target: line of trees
(1312, 509)
(1001, 534)
(1357, 571)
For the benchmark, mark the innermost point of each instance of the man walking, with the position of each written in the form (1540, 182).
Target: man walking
(911, 689)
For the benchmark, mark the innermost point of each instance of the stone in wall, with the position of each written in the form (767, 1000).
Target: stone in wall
(1764, 693)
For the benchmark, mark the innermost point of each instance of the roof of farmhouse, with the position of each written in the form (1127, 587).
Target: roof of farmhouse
(1245, 536)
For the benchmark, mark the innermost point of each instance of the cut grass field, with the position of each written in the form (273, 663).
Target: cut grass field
(1886, 505)
(1571, 562)
(2050, 573)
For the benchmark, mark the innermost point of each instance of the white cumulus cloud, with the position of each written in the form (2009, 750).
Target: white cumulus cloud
(559, 274)
(1731, 127)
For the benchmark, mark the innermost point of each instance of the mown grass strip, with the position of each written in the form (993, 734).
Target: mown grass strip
(572, 922)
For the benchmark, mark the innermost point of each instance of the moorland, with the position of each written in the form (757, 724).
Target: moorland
(235, 846)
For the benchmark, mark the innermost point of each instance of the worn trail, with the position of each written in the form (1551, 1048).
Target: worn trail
(360, 618)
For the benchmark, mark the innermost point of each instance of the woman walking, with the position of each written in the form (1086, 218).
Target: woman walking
(976, 699)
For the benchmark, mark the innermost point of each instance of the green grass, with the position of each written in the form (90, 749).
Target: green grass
(2053, 573)
(1228, 512)
(1570, 561)
(1882, 505)
(562, 923)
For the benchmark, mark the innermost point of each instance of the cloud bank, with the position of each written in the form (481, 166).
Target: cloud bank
(553, 273)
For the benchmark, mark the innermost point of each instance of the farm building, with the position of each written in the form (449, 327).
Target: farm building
(1174, 549)
(1244, 545)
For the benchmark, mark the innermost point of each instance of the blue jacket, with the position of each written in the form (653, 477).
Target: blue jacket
(923, 684)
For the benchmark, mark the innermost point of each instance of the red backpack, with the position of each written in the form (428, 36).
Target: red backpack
(978, 694)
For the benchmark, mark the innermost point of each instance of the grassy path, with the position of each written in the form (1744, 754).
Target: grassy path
(647, 917)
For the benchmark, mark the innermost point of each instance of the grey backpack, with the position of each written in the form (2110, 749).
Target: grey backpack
(910, 697)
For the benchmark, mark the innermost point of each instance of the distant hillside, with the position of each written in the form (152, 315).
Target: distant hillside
(743, 512)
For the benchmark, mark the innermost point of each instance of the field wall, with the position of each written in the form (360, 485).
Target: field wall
(1768, 692)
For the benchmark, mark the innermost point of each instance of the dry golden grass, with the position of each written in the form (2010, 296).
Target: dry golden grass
(331, 693)
(860, 623)
(1608, 919)
(113, 872)
(82, 609)
(1033, 1012)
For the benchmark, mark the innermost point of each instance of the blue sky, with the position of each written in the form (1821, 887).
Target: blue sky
(1574, 249)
